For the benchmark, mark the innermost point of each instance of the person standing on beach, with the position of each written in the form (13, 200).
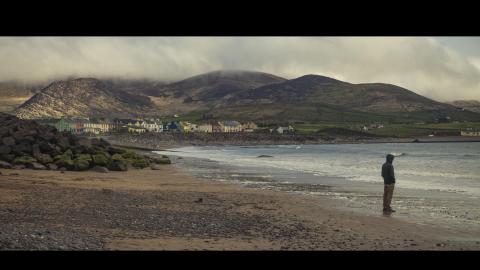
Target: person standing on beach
(389, 183)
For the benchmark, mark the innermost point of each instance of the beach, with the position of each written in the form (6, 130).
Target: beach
(169, 210)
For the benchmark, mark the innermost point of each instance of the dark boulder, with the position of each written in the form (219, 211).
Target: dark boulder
(47, 148)
(84, 142)
(155, 166)
(113, 150)
(3, 132)
(264, 156)
(52, 166)
(44, 158)
(100, 159)
(118, 165)
(36, 166)
(47, 136)
(22, 149)
(24, 160)
(63, 142)
(100, 169)
(5, 165)
(7, 157)
(19, 167)
(8, 141)
(5, 149)
(81, 165)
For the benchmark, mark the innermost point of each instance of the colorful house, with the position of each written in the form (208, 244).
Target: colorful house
(283, 130)
(188, 127)
(172, 127)
(230, 126)
(249, 127)
(207, 128)
(470, 132)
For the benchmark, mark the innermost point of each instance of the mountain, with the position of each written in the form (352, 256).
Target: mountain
(84, 97)
(469, 105)
(320, 98)
(206, 91)
(242, 95)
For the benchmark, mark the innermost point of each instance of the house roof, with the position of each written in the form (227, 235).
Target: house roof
(230, 123)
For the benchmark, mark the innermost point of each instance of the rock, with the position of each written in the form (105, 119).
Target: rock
(84, 142)
(5, 165)
(138, 163)
(5, 149)
(161, 161)
(8, 141)
(36, 149)
(100, 160)
(52, 166)
(264, 156)
(155, 166)
(64, 161)
(100, 169)
(24, 160)
(7, 157)
(3, 132)
(62, 169)
(22, 149)
(37, 166)
(81, 165)
(47, 136)
(19, 167)
(118, 165)
(63, 142)
(46, 147)
(113, 150)
(44, 158)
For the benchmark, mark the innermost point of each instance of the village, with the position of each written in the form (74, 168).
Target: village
(98, 126)
(138, 126)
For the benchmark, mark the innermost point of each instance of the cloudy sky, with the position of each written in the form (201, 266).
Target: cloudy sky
(443, 68)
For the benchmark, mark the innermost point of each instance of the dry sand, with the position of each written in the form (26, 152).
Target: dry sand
(160, 210)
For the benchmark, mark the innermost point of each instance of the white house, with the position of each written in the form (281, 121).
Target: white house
(283, 130)
(152, 126)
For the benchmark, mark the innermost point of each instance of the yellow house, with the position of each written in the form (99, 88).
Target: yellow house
(470, 132)
(134, 129)
(230, 126)
(249, 127)
(207, 128)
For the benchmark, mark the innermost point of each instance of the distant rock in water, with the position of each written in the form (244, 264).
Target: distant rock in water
(264, 156)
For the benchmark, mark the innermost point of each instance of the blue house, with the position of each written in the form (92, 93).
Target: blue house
(171, 126)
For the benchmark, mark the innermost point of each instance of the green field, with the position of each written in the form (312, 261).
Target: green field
(391, 130)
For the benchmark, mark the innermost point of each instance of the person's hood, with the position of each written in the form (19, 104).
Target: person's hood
(390, 158)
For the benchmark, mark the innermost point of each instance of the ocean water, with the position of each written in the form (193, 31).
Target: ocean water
(437, 183)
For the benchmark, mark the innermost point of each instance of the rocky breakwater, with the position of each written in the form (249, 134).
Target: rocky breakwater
(27, 144)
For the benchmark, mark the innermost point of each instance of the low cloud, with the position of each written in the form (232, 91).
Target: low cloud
(423, 65)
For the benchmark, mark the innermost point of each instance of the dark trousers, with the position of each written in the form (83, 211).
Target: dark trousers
(387, 195)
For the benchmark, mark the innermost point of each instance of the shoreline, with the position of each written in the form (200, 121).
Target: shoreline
(152, 145)
(160, 210)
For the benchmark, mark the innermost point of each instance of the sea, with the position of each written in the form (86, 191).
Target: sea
(436, 183)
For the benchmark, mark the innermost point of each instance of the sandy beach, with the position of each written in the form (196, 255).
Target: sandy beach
(168, 210)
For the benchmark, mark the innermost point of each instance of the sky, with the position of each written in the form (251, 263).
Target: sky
(442, 68)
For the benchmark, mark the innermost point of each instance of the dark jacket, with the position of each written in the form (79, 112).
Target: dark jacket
(387, 171)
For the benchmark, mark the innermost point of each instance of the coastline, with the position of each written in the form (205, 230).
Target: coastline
(160, 210)
(152, 143)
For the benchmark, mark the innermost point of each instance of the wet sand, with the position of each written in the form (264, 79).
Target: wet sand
(161, 210)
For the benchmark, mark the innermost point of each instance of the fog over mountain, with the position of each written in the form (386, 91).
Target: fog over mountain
(445, 69)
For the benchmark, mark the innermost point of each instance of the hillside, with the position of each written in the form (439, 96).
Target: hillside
(469, 105)
(243, 95)
(83, 97)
